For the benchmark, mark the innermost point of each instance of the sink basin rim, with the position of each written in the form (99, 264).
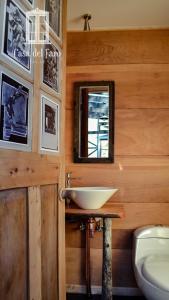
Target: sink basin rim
(91, 188)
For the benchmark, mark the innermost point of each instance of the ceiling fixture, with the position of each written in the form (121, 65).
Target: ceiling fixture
(86, 18)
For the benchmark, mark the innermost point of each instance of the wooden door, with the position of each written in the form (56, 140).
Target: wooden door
(32, 218)
(29, 244)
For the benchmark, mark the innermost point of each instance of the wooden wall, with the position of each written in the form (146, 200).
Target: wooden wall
(138, 62)
(32, 218)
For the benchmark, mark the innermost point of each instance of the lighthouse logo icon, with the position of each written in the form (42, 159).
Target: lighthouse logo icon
(37, 27)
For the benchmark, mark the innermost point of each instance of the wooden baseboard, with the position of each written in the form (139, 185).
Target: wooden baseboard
(96, 290)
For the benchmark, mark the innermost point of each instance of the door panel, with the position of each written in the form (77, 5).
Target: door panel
(13, 245)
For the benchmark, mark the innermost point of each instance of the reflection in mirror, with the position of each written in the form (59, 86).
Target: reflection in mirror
(94, 121)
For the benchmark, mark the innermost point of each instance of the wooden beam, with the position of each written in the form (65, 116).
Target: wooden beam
(118, 47)
(23, 170)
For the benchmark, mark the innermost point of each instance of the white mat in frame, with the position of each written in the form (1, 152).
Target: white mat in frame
(49, 125)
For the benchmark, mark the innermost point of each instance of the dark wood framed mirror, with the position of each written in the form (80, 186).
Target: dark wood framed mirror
(94, 122)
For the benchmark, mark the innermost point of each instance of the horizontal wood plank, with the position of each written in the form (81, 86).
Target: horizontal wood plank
(113, 211)
(18, 169)
(115, 68)
(141, 214)
(118, 47)
(136, 86)
(137, 132)
(142, 132)
(122, 238)
(138, 180)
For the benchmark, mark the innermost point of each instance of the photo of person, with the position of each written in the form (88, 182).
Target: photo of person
(49, 125)
(54, 9)
(15, 45)
(14, 111)
(50, 117)
(51, 67)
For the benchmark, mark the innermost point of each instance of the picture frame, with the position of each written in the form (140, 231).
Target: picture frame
(51, 69)
(31, 3)
(16, 96)
(49, 125)
(54, 7)
(13, 47)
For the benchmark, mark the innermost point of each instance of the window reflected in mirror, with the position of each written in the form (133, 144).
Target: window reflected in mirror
(94, 122)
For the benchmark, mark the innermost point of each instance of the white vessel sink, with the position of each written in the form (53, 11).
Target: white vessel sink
(89, 197)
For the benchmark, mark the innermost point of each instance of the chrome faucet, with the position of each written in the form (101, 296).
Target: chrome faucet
(68, 179)
(68, 185)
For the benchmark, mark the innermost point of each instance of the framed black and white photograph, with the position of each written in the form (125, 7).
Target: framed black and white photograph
(51, 67)
(49, 118)
(54, 7)
(14, 47)
(15, 112)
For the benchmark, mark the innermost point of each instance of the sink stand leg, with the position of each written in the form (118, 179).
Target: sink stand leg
(107, 260)
(88, 279)
(90, 229)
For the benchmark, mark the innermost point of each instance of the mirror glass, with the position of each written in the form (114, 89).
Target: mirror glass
(94, 122)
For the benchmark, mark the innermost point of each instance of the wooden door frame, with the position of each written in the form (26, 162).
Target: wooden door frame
(61, 204)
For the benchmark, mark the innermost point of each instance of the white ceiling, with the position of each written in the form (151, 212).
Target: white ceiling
(118, 14)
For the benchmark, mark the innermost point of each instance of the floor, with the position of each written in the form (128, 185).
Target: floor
(98, 297)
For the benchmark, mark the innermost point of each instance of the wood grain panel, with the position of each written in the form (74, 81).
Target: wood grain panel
(136, 86)
(122, 239)
(118, 47)
(115, 68)
(137, 132)
(141, 214)
(22, 170)
(142, 132)
(137, 182)
(138, 62)
(136, 215)
(13, 245)
(121, 267)
(49, 242)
